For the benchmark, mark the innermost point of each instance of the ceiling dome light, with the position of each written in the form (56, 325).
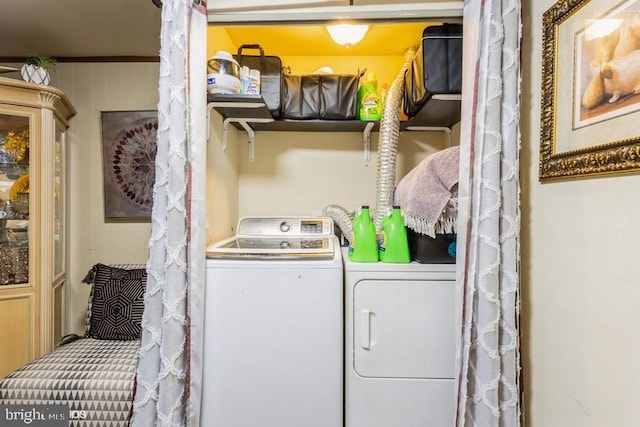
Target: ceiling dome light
(347, 34)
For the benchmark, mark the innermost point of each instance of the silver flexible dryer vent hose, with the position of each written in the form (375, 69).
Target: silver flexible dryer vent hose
(342, 218)
(387, 148)
(388, 143)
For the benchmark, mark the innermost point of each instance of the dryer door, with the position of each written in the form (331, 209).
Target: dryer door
(404, 328)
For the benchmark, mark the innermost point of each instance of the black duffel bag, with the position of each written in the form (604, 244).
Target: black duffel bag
(321, 96)
(270, 68)
(436, 67)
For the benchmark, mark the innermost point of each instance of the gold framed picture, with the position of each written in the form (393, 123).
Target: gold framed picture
(590, 89)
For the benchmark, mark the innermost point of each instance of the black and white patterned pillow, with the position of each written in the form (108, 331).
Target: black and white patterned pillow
(117, 302)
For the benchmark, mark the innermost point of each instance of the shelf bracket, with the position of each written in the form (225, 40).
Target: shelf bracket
(367, 141)
(230, 104)
(434, 129)
(244, 122)
(210, 106)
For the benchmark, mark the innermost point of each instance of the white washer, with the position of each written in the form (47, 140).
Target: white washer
(400, 344)
(273, 348)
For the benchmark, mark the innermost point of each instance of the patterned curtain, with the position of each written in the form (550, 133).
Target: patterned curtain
(168, 377)
(489, 218)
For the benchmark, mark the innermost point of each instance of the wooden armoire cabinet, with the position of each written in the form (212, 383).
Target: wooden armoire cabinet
(33, 125)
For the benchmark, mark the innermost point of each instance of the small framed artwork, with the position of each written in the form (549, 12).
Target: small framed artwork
(129, 147)
(590, 89)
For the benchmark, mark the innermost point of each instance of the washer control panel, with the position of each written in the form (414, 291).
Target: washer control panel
(285, 226)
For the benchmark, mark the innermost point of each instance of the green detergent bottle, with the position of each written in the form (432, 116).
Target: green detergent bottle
(369, 104)
(393, 244)
(364, 245)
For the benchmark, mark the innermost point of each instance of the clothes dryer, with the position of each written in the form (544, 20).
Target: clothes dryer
(273, 333)
(399, 344)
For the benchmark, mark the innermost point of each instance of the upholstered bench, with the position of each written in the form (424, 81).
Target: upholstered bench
(94, 374)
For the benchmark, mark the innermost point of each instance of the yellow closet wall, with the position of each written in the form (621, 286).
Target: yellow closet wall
(300, 173)
(222, 167)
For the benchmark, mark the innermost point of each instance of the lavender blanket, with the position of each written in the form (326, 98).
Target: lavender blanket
(427, 195)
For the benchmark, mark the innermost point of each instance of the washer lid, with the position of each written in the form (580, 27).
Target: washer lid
(278, 238)
(285, 226)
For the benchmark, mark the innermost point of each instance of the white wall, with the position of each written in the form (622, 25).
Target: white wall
(298, 173)
(580, 283)
(301, 173)
(95, 87)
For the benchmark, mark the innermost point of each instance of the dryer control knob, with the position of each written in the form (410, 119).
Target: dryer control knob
(285, 226)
